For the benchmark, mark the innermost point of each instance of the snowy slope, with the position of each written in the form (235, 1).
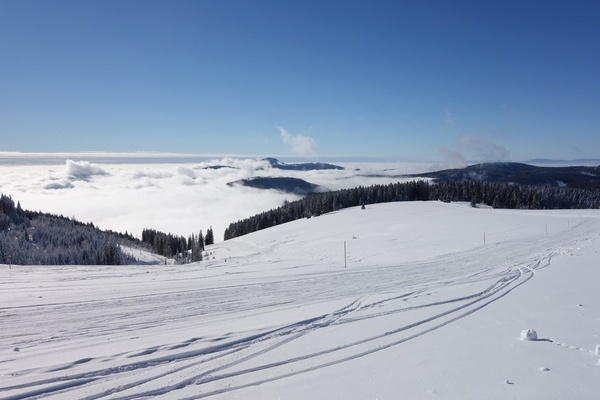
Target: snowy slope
(423, 309)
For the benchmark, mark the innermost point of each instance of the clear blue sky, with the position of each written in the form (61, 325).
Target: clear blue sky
(399, 79)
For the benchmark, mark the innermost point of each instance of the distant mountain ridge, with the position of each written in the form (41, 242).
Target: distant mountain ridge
(579, 161)
(310, 166)
(524, 174)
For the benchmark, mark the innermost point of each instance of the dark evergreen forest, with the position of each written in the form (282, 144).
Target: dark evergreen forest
(497, 195)
(182, 249)
(35, 238)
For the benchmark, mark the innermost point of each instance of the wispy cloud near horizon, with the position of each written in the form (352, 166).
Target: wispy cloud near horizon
(301, 145)
(483, 149)
(478, 148)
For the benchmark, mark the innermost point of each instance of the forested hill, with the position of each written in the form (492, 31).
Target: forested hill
(289, 185)
(309, 166)
(35, 238)
(498, 195)
(524, 174)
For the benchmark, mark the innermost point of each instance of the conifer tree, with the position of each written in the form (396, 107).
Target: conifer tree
(209, 239)
(201, 240)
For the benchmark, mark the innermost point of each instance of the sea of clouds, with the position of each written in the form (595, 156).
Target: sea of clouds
(176, 195)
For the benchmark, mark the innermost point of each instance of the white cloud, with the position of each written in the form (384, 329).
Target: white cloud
(152, 174)
(300, 144)
(83, 169)
(188, 172)
(449, 118)
(483, 149)
(452, 158)
(476, 148)
(57, 185)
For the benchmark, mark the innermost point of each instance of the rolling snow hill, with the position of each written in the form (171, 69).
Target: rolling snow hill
(415, 300)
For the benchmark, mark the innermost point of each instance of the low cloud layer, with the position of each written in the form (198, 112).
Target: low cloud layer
(176, 198)
(299, 144)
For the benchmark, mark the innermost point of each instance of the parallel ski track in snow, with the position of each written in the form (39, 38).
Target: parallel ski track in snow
(204, 367)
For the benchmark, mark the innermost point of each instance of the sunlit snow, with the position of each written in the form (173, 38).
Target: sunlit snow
(416, 307)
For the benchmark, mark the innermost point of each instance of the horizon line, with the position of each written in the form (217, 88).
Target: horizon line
(12, 158)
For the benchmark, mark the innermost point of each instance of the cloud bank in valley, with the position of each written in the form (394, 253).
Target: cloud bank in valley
(180, 198)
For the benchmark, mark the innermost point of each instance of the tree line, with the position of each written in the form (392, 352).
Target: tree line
(35, 238)
(182, 249)
(497, 195)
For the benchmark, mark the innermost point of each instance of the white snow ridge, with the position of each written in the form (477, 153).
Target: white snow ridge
(423, 310)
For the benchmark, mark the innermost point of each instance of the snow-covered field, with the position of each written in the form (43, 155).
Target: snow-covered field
(418, 308)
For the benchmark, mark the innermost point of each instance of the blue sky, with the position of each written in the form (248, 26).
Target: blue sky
(405, 80)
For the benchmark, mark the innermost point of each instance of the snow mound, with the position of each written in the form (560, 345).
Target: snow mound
(597, 351)
(145, 257)
(529, 334)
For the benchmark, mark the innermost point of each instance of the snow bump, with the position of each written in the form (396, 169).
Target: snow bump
(529, 334)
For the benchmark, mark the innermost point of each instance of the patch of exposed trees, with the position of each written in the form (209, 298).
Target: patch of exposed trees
(178, 247)
(497, 195)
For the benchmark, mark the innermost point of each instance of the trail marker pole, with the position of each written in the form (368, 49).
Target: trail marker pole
(345, 263)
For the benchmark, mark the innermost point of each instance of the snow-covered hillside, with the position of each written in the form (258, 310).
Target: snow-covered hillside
(400, 300)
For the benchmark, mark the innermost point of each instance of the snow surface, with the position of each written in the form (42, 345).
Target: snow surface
(419, 308)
